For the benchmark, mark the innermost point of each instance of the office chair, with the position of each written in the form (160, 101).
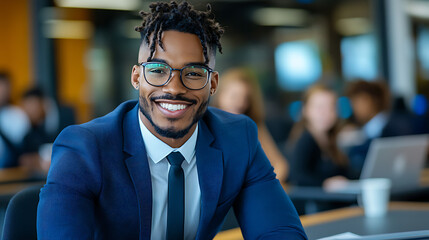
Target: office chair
(21, 215)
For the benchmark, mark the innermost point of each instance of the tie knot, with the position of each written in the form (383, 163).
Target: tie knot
(175, 158)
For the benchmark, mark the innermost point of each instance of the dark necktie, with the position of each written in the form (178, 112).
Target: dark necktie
(176, 197)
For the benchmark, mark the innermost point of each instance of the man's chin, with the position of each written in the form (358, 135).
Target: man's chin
(172, 132)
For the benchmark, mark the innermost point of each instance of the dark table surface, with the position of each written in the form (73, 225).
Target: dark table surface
(394, 221)
(402, 217)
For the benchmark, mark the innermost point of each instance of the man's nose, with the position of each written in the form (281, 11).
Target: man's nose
(175, 85)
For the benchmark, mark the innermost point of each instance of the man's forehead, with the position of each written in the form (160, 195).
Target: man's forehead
(177, 44)
(172, 36)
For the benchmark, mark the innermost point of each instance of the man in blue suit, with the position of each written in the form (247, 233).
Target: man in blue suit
(167, 167)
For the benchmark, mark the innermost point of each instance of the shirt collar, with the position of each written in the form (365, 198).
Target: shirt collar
(374, 127)
(158, 150)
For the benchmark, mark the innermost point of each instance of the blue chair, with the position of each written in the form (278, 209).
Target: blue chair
(21, 215)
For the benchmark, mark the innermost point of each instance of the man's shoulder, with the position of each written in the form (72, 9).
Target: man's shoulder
(109, 123)
(229, 128)
(216, 118)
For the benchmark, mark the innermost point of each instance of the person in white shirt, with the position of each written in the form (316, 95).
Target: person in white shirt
(14, 124)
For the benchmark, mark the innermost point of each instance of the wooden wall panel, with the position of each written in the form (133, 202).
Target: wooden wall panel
(73, 84)
(15, 45)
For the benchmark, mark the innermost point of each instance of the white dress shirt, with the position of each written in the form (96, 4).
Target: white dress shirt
(374, 127)
(14, 124)
(157, 152)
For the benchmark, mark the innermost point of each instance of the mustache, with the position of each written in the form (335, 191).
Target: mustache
(171, 97)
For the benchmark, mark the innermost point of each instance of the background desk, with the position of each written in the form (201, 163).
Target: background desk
(19, 174)
(402, 216)
(314, 197)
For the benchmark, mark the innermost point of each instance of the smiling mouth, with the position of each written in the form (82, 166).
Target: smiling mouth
(172, 107)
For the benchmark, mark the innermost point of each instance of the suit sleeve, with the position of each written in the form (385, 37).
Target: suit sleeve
(66, 206)
(263, 209)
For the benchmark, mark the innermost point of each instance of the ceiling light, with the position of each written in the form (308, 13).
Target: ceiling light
(353, 26)
(68, 29)
(280, 17)
(100, 4)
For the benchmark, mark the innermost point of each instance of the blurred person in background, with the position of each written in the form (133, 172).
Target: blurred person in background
(240, 93)
(371, 104)
(14, 124)
(315, 159)
(34, 105)
(58, 116)
(47, 119)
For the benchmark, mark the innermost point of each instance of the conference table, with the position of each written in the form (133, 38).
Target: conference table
(317, 194)
(401, 217)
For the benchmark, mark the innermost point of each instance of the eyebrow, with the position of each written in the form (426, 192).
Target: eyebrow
(202, 64)
(158, 60)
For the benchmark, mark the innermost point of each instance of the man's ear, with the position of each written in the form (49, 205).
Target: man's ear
(214, 81)
(136, 76)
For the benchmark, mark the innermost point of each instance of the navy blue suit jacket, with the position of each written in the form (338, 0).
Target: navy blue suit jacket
(99, 183)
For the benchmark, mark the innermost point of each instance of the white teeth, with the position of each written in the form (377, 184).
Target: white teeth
(172, 107)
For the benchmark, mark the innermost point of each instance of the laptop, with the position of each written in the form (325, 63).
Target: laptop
(399, 159)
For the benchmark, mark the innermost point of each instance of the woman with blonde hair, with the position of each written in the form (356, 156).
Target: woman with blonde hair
(315, 158)
(239, 93)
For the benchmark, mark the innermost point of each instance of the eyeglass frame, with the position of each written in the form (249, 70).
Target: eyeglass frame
(143, 64)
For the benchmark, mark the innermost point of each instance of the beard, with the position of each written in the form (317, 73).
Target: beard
(170, 132)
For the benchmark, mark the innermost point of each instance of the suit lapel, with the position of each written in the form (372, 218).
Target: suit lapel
(138, 168)
(209, 165)
(210, 174)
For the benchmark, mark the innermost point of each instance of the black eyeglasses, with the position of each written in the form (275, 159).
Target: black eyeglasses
(192, 77)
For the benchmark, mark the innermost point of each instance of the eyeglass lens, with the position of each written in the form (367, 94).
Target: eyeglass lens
(193, 77)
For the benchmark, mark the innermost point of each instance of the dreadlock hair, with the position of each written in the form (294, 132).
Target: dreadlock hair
(183, 18)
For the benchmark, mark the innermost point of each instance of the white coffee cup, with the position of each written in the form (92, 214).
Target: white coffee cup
(375, 196)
